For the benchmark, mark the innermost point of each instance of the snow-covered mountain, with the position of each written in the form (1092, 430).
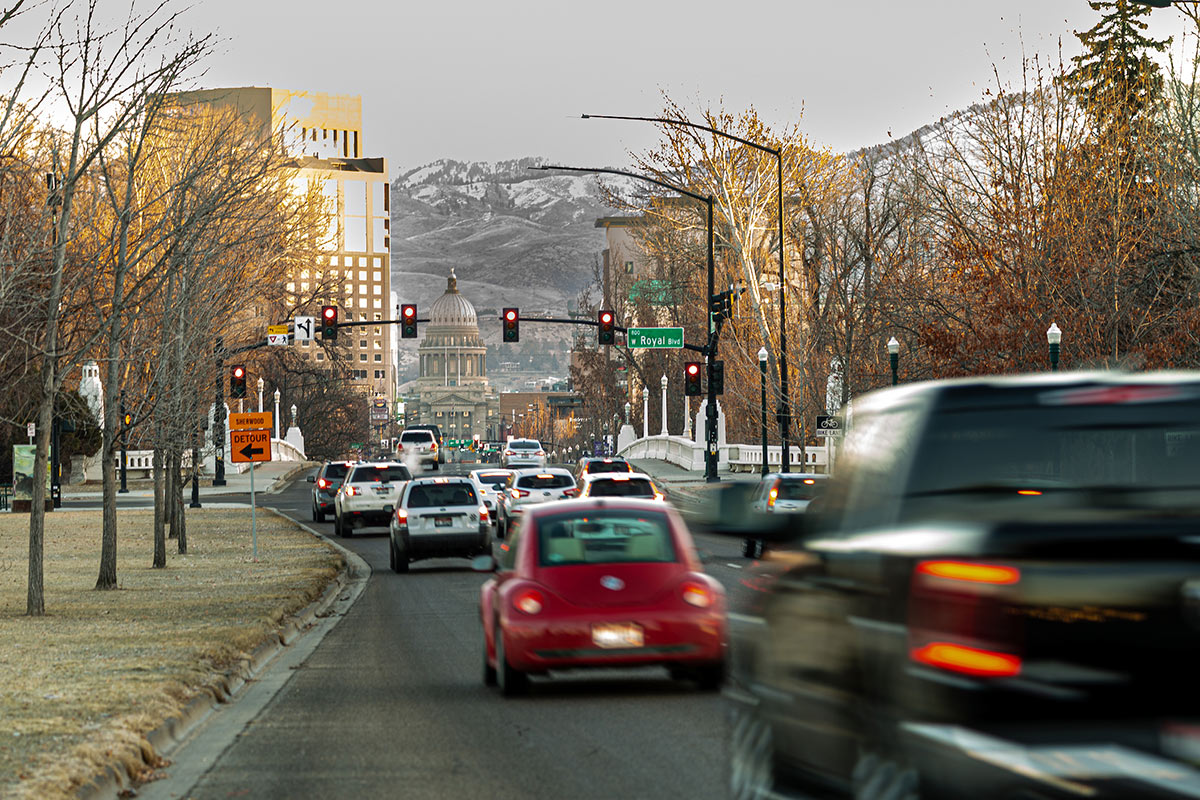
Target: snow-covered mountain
(514, 237)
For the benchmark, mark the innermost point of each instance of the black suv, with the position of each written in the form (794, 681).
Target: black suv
(327, 482)
(999, 598)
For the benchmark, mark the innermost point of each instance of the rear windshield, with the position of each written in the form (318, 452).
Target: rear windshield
(496, 480)
(608, 466)
(798, 490)
(636, 487)
(425, 495)
(336, 470)
(395, 472)
(416, 436)
(545, 481)
(524, 446)
(604, 537)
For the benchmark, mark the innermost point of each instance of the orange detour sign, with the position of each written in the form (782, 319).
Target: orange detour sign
(248, 447)
(251, 421)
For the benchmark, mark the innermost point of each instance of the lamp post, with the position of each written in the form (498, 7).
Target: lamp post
(710, 348)
(1053, 338)
(645, 412)
(628, 407)
(219, 416)
(260, 399)
(785, 410)
(762, 371)
(664, 413)
(893, 348)
(276, 413)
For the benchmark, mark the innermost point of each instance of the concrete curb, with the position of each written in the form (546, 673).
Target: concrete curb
(167, 737)
(285, 480)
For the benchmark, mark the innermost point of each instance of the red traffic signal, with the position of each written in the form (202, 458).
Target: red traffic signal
(329, 321)
(606, 329)
(512, 324)
(408, 321)
(692, 381)
(237, 381)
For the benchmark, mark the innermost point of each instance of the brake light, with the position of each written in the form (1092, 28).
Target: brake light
(973, 573)
(528, 601)
(659, 496)
(968, 660)
(433, 447)
(619, 478)
(570, 492)
(696, 594)
(483, 515)
(353, 490)
(518, 492)
(402, 516)
(541, 452)
(322, 483)
(510, 452)
(772, 497)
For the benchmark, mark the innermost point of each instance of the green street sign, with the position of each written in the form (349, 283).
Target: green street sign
(656, 338)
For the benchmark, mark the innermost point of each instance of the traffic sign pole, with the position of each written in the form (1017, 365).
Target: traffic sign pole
(253, 520)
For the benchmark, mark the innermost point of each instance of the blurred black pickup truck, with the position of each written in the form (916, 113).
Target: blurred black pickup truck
(999, 598)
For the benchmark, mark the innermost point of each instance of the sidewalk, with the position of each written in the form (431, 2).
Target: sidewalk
(269, 477)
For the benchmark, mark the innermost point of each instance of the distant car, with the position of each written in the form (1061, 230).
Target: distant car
(327, 482)
(619, 484)
(783, 493)
(421, 444)
(523, 453)
(601, 583)
(489, 483)
(527, 487)
(438, 518)
(436, 430)
(591, 464)
(369, 495)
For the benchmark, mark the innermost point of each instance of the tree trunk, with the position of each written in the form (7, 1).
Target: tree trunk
(179, 518)
(160, 533)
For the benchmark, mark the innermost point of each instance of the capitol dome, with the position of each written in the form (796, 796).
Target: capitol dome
(452, 310)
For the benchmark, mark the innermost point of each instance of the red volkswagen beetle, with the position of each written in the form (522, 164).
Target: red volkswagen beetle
(610, 582)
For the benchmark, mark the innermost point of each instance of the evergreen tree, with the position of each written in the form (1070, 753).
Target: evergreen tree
(1115, 76)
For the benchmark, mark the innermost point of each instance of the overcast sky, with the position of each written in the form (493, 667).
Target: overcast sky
(488, 80)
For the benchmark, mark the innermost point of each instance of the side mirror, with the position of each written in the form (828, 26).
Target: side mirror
(312, 478)
(484, 563)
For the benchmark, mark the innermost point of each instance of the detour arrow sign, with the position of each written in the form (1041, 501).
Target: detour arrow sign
(247, 447)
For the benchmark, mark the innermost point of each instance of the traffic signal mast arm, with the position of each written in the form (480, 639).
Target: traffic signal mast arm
(595, 324)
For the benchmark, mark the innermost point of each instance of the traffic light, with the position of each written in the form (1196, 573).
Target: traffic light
(512, 325)
(237, 381)
(408, 321)
(329, 323)
(693, 383)
(607, 332)
(718, 377)
(128, 419)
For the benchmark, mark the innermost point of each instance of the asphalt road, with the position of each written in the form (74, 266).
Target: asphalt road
(391, 703)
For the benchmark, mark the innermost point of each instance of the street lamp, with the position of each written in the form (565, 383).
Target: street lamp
(710, 348)
(893, 347)
(785, 411)
(645, 412)
(628, 407)
(762, 371)
(664, 410)
(260, 397)
(1053, 338)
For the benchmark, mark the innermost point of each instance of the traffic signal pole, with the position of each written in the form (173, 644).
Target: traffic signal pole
(710, 417)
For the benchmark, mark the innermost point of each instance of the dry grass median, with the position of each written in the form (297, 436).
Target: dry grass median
(80, 686)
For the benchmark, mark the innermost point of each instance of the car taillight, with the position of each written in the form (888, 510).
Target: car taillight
(518, 492)
(510, 452)
(959, 618)
(353, 490)
(402, 516)
(696, 594)
(322, 483)
(570, 492)
(433, 447)
(483, 515)
(528, 601)
(968, 660)
(659, 496)
(541, 452)
(772, 497)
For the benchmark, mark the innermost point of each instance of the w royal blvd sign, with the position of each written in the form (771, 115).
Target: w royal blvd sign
(660, 338)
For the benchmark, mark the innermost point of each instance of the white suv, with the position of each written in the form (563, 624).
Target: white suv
(489, 484)
(421, 445)
(527, 487)
(368, 495)
(438, 518)
(524, 453)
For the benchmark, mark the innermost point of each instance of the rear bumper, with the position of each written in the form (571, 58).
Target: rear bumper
(369, 516)
(669, 638)
(447, 545)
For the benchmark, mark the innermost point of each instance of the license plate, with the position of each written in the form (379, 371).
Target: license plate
(617, 635)
(441, 522)
(381, 490)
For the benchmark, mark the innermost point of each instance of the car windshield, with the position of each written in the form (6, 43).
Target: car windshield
(798, 489)
(334, 471)
(393, 472)
(426, 495)
(1072, 454)
(524, 446)
(635, 487)
(494, 480)
(545, 481)
(604, 537)
(608, 466)
(416, 436)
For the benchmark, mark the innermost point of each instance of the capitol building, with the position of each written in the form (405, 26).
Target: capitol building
(452, 390)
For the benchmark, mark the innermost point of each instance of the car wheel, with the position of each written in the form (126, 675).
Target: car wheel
(878, 777)
(337, 524)
(711, 676)
(489, 672)
(314, 512)
(751, 756)
(391, 552)
(399, 559)
(319, 515)
(512, 682)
